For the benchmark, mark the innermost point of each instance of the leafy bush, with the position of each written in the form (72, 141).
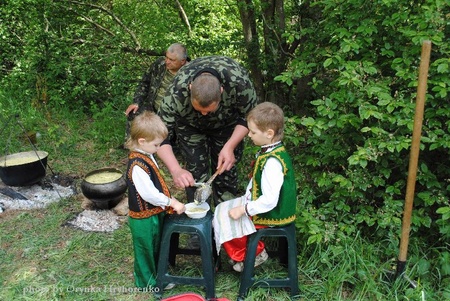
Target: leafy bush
(357, 133)
(357, 129)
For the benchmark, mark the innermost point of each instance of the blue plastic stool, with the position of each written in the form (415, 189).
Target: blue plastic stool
(247, 276)
(174, 225)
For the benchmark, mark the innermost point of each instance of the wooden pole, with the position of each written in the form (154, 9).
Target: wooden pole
(414, 156)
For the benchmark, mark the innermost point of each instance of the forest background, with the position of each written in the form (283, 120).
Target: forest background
(345, 72)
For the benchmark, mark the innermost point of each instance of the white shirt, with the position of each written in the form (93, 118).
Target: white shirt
(272, 179)
(146, 188)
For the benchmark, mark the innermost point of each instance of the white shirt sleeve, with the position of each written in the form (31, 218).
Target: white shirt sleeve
(147, 189)
(272, 179)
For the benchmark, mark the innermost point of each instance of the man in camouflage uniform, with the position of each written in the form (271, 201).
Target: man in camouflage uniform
(155, 81)
(206, 107)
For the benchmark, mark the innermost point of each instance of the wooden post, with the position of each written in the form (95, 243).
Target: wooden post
(414, 156)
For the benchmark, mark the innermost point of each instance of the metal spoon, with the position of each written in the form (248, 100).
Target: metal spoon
(204, 190)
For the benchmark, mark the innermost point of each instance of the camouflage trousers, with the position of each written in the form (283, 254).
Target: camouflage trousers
(200, 151)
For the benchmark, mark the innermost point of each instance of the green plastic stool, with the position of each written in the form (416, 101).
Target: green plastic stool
(174, 225)
(247, 276)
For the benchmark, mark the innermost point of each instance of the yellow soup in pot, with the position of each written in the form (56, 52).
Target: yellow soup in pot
(103, 177)
(18, 161)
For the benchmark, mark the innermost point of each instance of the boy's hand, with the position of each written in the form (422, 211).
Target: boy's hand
(177, 206)
(236, 212)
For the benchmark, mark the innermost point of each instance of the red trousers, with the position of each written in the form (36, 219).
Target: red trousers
(237, 247)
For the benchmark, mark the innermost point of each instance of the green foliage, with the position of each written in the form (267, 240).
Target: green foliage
(363, 61)
(443, 222)
(352, 73)
(77, 54)
(358, 132)
(109, 122)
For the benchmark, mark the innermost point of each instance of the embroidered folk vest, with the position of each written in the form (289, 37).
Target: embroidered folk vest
(284, 212)
(138, 208)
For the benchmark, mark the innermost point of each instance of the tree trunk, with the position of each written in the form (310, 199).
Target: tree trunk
(247, 13)
(275, 49)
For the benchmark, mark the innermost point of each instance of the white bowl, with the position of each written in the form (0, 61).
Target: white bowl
(196, 211)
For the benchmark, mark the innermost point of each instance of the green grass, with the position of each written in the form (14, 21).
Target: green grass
(44, 259)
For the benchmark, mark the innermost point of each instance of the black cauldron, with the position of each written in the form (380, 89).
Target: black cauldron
(104, 194)
(23, 169)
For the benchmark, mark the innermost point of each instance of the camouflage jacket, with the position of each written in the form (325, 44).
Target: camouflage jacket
(238, 97)
(147, 90)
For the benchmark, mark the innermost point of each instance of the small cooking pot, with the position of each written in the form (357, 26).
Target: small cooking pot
(105, 187)
(23, 169)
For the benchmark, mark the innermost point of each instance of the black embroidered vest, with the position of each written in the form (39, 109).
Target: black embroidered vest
(138, 208)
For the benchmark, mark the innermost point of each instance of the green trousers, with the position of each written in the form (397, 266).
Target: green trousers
(146, 235)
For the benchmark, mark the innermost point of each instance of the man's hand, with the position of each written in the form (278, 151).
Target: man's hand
(226, 158)
(183, 178)
(132, 108)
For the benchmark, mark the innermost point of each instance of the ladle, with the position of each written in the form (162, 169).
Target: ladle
(204, 190)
